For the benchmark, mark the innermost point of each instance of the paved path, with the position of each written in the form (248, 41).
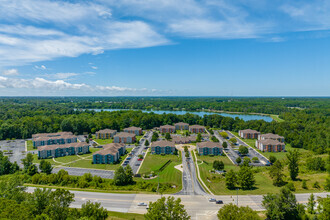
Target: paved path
(197, 206)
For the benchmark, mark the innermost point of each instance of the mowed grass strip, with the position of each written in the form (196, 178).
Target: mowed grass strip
(124, 216)
(29, 145)
(103, 141)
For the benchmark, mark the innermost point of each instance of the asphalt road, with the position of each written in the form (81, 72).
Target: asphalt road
(197, 206)
(15, 150)
(190, 183)
(134, 163)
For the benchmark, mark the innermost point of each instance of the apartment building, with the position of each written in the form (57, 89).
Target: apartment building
(167, 129)
(62, 150)
(134, 130)
(209, 147)
(124, 137)
(181, 126)
(248, 134)
(53, 138)
(105, 134)
(196, 129)
(163, 147)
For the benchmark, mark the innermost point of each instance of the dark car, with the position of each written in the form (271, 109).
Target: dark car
(219, 202)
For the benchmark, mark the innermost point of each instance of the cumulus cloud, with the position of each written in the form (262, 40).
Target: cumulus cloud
(94, 67)
(63, 75)
(40, 84)
(10, 72)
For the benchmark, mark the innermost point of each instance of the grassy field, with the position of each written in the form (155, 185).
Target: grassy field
(169, 174)
(216, 183)
(29, 145)
(276, 118)
(103, 141)
(124, 216)
(83, 161)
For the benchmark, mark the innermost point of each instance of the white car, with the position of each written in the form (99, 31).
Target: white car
(212, 200)
(142, 204)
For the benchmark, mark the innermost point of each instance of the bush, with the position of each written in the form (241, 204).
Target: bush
(304, 184)
(272, 159)
(315, 163)
(290, 186)
(255, 159)
(316, 185)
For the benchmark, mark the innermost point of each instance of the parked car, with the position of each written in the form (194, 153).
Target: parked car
(142, 204)
(140, 159)
(219, 202)
(212, 200)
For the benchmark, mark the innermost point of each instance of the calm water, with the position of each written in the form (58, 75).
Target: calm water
(241, 116)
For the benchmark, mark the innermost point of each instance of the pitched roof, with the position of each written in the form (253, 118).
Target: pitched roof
(167, 126)
(124, 134)
(163, 144)
(112, 151)
(196, 126)
(106, 131)
(52, 134)
(270, 136)
(46, 138)
(270, 142)
(114, 145)
(209, 144)
(133, 128)
(181, 123)
(112, 148)
(57, 146)
(249, 131)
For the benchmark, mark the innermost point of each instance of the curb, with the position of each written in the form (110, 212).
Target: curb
(199, 177)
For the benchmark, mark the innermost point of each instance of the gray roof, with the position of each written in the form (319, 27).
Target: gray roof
(271, 136)
(124, 134)
(196, 126)
(270, 142)
(132, 128)
(209, 144)
(167, 126)
(105, 131)
(57, 146)
(163, 144)
(249, 131)
(181, 123)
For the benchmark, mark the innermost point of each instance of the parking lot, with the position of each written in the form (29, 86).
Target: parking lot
(14, 149)
(108, 174)
(233, 154)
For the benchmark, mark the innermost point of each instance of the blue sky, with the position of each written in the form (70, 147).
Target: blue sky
(165, 47)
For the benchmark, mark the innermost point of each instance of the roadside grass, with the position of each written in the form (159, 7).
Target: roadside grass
(170, 175)
(138, 138)
(124, 216)
(277, 118)
(264, 183)
(29, 144)
(278, 155)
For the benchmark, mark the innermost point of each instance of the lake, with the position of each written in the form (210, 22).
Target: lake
(245, 117)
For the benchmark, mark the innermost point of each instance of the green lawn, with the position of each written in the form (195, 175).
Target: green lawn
(29, 145)
(276, 118)
(169, 174)
(103, 141)
(124, 216)
(83, 161)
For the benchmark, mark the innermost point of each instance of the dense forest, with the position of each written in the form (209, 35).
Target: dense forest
(306, 125)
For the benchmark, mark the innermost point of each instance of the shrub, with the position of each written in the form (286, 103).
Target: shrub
(304, 184)
(316, 185)
(272, 159)
(290, 186)
(255, 159)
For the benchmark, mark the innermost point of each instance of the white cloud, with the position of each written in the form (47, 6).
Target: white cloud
(41, 84)
(63, 75)
(94, 67)
(42, 67)
(10, 72)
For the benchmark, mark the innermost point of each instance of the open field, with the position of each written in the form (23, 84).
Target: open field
(217, 184)
(103, 141)
(169, 174)
(276, 118)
